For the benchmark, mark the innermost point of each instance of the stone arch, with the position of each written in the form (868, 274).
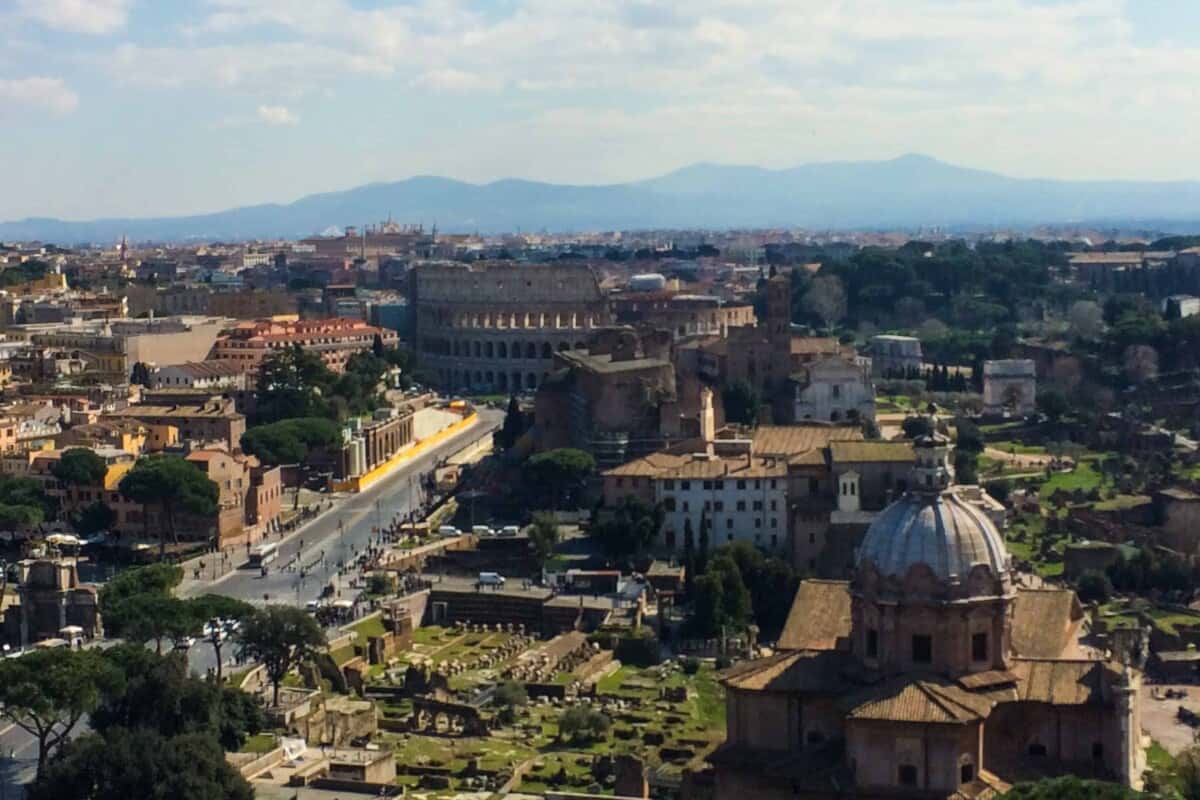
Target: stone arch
(515, 350)
(488, 349)
(547, 350)
(564, 346)
(502, 381)
(476, 349)
(489, 378)
(501, 350)
(531, 350)
(531, 381)
(580, 346)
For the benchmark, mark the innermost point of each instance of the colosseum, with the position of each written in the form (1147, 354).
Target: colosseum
(495, 326)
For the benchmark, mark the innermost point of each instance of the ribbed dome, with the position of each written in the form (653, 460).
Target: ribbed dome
(940, 530)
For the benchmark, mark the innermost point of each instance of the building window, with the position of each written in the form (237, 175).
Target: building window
(669, 484)
(966, 773)
(908, 775)
(668, 503)
(1037, 749)
(812, 537)
(1098, 750)
(814, 485)
(741, 505)
(719, 485)
(620, 482)
(979, 647)
(758, 505)
(707, 486)
(741, 484)
(729, 524)
(772, 483)
(814, 738)
(774, 505)
(718, 505)
(685, 485)
(922, 649)
(685, 505)
(872, 643)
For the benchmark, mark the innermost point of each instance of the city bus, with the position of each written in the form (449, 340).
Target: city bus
(263, 554)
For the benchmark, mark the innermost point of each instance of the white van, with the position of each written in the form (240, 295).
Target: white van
(491, 579)
(481, 530)
(447, 530)
(510, 530)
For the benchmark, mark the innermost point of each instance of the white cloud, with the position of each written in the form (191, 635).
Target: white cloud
(77, 16)
(277, 115)
(41, 94)
(773, 81)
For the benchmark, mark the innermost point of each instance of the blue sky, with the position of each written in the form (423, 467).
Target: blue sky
(154, 107)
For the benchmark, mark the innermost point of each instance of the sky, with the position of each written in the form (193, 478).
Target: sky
(161, 107)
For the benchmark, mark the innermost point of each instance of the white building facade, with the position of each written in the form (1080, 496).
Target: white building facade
(740, 499)
(833, 390)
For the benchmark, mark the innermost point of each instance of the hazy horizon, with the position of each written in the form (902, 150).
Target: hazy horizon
(121, 108)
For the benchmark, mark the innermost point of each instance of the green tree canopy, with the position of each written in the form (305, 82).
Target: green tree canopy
(555, 473)
(1070, 788)
(47, 692)
(722, 600)
(80, 466)
(543, 536)
(141, 763)
(1053, 403)
(208, 609)
(173, 484)
(514, 425)
(291, 382)
(280, 637)
(628, 529)
(159, 694)
(23, 502)
(289, 441)
(95, 517)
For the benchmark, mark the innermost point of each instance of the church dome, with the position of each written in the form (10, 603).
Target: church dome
(940, 530)
(933, 525)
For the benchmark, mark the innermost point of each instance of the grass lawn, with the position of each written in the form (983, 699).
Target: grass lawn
(1122, 502)
(259, 743)
(371, 626)
(1002, 426)
(1018, 448)
(1083, 477)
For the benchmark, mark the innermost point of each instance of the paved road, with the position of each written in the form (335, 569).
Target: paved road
(340, 533)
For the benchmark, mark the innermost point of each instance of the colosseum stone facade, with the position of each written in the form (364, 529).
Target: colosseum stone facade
(496, 326)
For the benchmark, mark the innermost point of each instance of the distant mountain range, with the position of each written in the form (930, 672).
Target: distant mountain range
(905, 192)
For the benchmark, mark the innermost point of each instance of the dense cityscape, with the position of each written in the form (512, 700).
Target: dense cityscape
(671, 514)
(618, 400)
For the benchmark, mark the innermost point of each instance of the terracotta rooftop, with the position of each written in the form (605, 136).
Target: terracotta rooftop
(1045, 622)
(790, 672)
(1059, 682)
(217, 368)
(906, 699)
(698, 466)
(791, 440)
(857, 452)
(819, 618)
